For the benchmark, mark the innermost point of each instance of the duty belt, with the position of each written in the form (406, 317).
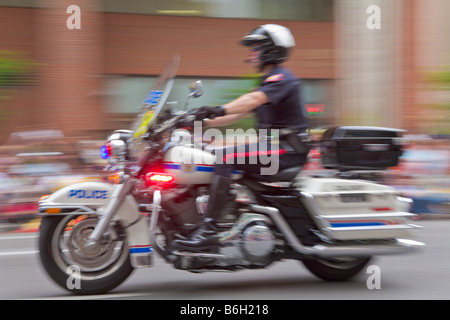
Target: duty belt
(292, 140)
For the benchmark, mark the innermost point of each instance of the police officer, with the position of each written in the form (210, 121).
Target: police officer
(277, 104)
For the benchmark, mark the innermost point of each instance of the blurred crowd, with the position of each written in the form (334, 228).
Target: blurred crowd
(38, 162)
(424, 174)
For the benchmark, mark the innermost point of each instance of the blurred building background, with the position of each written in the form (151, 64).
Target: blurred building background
(388, 76)
(89, 80)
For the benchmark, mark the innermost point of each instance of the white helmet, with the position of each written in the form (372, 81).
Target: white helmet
(273, 40)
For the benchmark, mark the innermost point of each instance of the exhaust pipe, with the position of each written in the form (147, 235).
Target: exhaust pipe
(381, 247)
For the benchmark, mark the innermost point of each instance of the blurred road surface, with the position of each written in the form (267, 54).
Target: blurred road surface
(414, 276)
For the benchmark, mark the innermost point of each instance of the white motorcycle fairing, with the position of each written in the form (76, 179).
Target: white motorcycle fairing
(92, 198)
(357, 209)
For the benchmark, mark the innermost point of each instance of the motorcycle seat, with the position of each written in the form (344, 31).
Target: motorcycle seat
(282, 175)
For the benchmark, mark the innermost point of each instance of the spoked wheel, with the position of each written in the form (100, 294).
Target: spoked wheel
(336, 269)
(77, 266)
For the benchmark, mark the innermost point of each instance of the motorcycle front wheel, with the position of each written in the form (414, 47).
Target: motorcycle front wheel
(336, 269)
(76, 266)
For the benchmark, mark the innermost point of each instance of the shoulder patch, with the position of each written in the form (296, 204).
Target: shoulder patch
(275, 77)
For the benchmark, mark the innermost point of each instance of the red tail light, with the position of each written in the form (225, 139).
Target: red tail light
(159, 178)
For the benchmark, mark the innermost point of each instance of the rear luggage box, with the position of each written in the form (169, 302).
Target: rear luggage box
(360, 148)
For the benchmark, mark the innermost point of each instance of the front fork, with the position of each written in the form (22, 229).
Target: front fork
(155, 215)
(143, 238)
(117, 197)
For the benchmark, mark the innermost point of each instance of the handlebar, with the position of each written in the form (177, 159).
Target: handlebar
(178, 121)
(153, 138)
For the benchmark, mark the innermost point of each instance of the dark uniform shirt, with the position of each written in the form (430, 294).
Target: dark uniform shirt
(285, 109)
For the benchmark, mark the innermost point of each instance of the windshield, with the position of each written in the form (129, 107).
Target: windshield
(153, 105)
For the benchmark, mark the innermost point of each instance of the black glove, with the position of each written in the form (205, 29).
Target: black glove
(209, 112)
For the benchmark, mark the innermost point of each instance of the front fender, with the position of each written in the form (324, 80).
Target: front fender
(91, 198)
(86, 195)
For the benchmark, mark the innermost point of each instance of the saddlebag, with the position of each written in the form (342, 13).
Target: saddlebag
(295, 215)
(356, 209)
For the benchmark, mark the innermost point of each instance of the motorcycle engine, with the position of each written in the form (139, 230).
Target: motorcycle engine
(251, 240)
(181, 208)
(187, 207)
(257, 243)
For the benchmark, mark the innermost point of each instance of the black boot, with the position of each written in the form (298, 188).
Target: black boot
(205, 237)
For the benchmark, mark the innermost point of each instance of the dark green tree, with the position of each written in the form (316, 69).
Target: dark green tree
(439, 82)
(16, 71)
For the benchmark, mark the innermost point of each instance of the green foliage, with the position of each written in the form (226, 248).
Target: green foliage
(440, 81)
(15, 69)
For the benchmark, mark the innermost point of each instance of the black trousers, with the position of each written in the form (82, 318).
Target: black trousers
(259, 158)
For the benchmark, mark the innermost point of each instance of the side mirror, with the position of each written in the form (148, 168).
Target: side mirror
(196, 89)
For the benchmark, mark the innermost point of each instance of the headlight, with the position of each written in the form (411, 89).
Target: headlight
(113, 149)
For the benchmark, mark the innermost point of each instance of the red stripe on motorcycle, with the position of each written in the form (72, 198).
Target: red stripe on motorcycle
(252, 154)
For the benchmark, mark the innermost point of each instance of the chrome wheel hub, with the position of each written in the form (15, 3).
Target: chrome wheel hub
(74, 247)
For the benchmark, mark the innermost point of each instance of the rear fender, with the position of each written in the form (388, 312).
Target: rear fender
(92, 198)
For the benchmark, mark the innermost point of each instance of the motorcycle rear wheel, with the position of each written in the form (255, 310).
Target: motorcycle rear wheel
(76, 267)
(336, 269)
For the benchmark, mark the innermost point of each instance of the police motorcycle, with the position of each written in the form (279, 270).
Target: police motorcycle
(94, 234)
